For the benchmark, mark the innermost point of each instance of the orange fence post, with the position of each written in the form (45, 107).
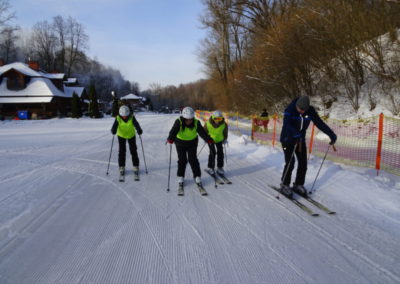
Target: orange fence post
(311, 140)
(379, 147)
(274, 134)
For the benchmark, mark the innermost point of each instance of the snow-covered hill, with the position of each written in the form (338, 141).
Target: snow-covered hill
(63, 220)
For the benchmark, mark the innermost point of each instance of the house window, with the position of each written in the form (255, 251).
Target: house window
(15, 83)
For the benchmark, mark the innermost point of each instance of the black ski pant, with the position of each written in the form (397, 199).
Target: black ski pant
(301, 155)
(132, 149)
(188, 153)
(216, 149)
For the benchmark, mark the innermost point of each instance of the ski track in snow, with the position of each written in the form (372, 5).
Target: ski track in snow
(62, 219)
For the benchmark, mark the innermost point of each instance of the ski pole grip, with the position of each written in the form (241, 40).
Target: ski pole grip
(334, 148)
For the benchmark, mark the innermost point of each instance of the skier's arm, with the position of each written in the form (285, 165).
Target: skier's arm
(174, 130)
(114, 127)
(323, 127)
(137, 126)
(226, 132)
(292, 132)
(203, 134)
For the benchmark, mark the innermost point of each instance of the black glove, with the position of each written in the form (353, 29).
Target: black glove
(140, 131)
(113, 132)
(333, 139)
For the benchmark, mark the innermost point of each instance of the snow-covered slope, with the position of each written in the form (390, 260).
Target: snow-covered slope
(63, 220)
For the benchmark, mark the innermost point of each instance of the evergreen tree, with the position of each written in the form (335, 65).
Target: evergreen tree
(76, 106)
(115, 105)
(93, 105)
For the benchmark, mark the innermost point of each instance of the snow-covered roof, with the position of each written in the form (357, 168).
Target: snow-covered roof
(69, 91)
(26, 70)
(37, 87)
(26, 100)
(131, 97)
(70, 81)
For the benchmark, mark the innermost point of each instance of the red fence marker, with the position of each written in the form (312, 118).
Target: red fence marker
(379, 147)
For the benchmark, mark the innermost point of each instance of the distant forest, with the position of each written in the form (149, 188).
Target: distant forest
(263, 53)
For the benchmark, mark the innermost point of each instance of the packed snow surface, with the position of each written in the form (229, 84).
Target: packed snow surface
(63, 220)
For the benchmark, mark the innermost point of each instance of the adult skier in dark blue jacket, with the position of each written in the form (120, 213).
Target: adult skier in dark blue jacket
(297, 117)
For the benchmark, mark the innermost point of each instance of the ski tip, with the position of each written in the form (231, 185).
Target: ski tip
(315, 214)
(332, 213)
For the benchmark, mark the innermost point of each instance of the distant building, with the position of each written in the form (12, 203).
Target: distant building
(134, 101)
(24, 87)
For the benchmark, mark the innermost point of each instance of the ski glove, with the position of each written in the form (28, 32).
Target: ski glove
(140, 131)
(225, 142)
(333, 139)
(113, 132)
(170, 141)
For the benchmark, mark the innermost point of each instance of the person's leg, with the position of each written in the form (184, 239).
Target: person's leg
(289, 163)
(193, 161)
(122, 151)
(220, 155)
(211, 156)
(182, 160)
(301, 155)
(133, 150)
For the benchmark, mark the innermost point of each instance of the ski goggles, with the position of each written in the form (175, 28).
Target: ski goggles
(218, 118)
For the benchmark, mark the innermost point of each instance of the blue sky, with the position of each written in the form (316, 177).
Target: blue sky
(149, 41)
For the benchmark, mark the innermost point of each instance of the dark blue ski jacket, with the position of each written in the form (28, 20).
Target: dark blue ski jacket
(295, 124)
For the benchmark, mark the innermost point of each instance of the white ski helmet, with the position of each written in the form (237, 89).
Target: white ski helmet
(124, 111)
(217, 113)
(188, 113)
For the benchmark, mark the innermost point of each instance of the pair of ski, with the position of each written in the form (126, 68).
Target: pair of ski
(218, 177)
(135, 176)
(304, 207)
(199, 185)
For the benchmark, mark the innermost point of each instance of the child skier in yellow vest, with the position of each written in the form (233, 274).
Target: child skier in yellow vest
(185, 133)
(125, 126)
(217, 128)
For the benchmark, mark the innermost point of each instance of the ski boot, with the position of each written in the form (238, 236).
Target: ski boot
(300, 189)
(136, 173)
(286, 190)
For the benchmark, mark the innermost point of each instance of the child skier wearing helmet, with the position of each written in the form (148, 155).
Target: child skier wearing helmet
(185, 133)
(217, 128)
(126, 126)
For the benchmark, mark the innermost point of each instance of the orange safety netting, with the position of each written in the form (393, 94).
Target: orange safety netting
(372, 142)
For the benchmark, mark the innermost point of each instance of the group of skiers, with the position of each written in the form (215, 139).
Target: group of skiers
(186, 129)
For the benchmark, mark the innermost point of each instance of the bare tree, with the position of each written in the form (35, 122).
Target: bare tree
(77, 43)
(59, 26)
(5, 14)
(8, 48)
(44, 43)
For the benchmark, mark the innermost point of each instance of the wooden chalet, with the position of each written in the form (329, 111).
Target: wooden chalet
(24, 87)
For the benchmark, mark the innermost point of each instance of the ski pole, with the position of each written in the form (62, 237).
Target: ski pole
(169, 167)
(144, 158)
(109, 159)
(201, 149)
(226, 156)
(287, 168)
(323, 160)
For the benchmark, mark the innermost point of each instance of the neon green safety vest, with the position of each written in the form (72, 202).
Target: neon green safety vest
(188, 134)
(217, 134)
(125, 129)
